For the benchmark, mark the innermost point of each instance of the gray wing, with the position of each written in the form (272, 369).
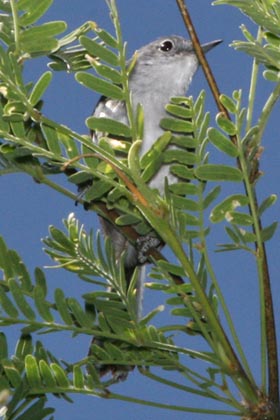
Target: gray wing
(109, 108)
(116, 110)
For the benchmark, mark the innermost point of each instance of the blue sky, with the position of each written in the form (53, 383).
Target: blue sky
(27, 208)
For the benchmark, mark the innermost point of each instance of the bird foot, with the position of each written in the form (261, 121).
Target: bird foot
(144, 245)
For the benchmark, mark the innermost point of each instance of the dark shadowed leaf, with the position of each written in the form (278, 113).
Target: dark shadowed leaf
(268, 232)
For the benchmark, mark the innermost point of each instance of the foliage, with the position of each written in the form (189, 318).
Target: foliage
(33, 144)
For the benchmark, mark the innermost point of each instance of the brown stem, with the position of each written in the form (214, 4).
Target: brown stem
(271, 341)
(201, 57)
(273, 366)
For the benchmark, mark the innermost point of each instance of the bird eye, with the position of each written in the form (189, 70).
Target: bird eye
(166, 45)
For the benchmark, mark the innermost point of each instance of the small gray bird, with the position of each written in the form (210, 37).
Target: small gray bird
(164, 68)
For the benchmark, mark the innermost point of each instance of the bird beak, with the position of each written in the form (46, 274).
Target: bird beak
(207, 47)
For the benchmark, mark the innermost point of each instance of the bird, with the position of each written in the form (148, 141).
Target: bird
(163, 69)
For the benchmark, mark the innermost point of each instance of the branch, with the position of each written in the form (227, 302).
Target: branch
(271, 340)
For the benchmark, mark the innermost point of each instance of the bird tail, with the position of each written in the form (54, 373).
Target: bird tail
(120, 372)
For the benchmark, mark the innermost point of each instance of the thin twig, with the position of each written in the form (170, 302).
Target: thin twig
(201, 57)
(269, 312)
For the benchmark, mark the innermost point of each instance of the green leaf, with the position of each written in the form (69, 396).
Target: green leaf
(32, 371)
(98, 352)
(187, 141)
(268, 202)
(41, 304)
(268, 232)
(229, 204)
(127, 219)
(36, 411)
(247, 237)
(62, 307)
(222, 142)
(41, 280)
(4, 126)
(39, 39)
(107, 38)
(24, 347)
(239, 218)
(180, 156)
(108, 73)
(248, 139)
(98, 190)
(177, 125)
(211, 196)
(272, 75)
(47, 374)
(40, 88)
(272, 39)
(62, 241)
(247, 34)
(171, 268)
(185, 203)
(80, 316)
(51, 137)
(98, 85)
(157, 148)
(60, 375)
(80, 177)
(3, 346)
(34, 9)
(114, 352)
(211, 172)
(78, 378)
(181, 171)
(268, 56)
(228, 103)
(69, 145)
(7, 305)
(106, 125)
(12, 373)
(232, 234)
(92, 380)
(189, 219)
(14, 110)
(20, 300)
(179, 111)
(97, 50)
(261, 12)
(225, 124)
(48, 30)
(4, 259)
(18, 128)
(151, 161)
(184, 312)
(183, 188)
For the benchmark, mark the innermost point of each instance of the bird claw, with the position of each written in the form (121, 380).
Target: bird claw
(144, 245)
